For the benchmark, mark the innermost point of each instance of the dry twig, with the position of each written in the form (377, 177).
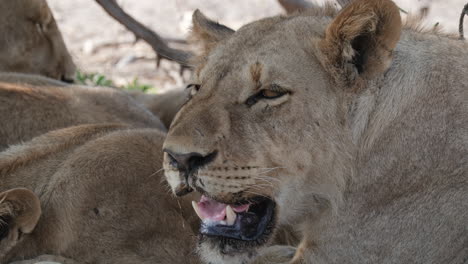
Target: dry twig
(141, 32)
(292, 6)
(343, 3)
(462, 16)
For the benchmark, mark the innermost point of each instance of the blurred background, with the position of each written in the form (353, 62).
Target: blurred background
(106, 52)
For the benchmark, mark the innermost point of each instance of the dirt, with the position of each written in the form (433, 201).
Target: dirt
(100, 44)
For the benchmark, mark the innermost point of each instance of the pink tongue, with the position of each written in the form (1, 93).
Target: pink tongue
(216, 211)
(211, 209)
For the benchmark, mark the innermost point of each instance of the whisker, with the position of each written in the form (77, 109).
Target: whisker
(257, 189)
(260, 185)
(265, 181)
(255, 193)
(265, 177)
(156, 172)
(272, 168)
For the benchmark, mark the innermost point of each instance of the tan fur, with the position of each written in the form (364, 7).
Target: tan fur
(210, 37)
(256, 72)
(102, 195)
(164, 105)
(32, 105)
(30, 41)
(365, 156)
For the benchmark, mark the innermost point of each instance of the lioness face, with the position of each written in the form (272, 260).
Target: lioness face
(31, 42)
(260, 124)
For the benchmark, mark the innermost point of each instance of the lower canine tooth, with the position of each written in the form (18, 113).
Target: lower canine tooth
(195, 207)
(230, 216)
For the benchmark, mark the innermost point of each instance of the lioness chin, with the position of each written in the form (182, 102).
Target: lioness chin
(344, 125)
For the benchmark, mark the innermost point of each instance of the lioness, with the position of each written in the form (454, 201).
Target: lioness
(32, 105)
(347, 127)
(92, 196)
(30, 41)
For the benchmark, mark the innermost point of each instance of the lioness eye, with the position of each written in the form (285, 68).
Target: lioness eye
(269, 94)
(273, 92)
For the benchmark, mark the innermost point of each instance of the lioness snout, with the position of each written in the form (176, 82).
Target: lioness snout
(189, 162)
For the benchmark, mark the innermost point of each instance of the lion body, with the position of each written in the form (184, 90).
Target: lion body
(102, 201)
(116, 147)
(32, 105)
(366, 159)
(99, 183)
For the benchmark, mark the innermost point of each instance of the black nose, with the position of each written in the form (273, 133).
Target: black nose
(189, 162)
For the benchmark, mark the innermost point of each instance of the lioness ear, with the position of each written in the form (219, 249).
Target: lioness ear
(20, 210)
(360, 40)
(207, 32)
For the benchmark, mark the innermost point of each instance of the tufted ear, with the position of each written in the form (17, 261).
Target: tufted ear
(207, 32)
(360, 40)
(20, 210)
(38, 11)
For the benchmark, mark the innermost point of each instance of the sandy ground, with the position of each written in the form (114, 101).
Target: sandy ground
(100, 44)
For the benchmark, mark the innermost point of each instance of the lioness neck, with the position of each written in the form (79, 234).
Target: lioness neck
(431, 73)
(409, 127)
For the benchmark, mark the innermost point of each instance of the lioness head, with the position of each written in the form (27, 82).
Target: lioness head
(20, 210)
(264, 136)
(31, 42)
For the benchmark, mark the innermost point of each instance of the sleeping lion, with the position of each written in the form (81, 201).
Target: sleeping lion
(92, 193)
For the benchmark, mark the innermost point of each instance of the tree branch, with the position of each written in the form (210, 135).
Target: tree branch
(462, 16)
(141, 32)
(344, 3)
(292, 6)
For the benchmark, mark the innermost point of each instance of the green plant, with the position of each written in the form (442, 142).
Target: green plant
(93, 79)
(97, 79)
(136, 85)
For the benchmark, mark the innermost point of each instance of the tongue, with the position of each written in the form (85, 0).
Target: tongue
(211, 209)
(216, 211)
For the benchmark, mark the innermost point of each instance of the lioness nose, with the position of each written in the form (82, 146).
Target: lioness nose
(189, 162)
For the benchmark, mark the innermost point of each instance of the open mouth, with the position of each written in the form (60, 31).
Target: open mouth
(243, 222)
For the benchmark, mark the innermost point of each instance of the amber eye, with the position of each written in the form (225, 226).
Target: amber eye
(273, 92)
(269, 94)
